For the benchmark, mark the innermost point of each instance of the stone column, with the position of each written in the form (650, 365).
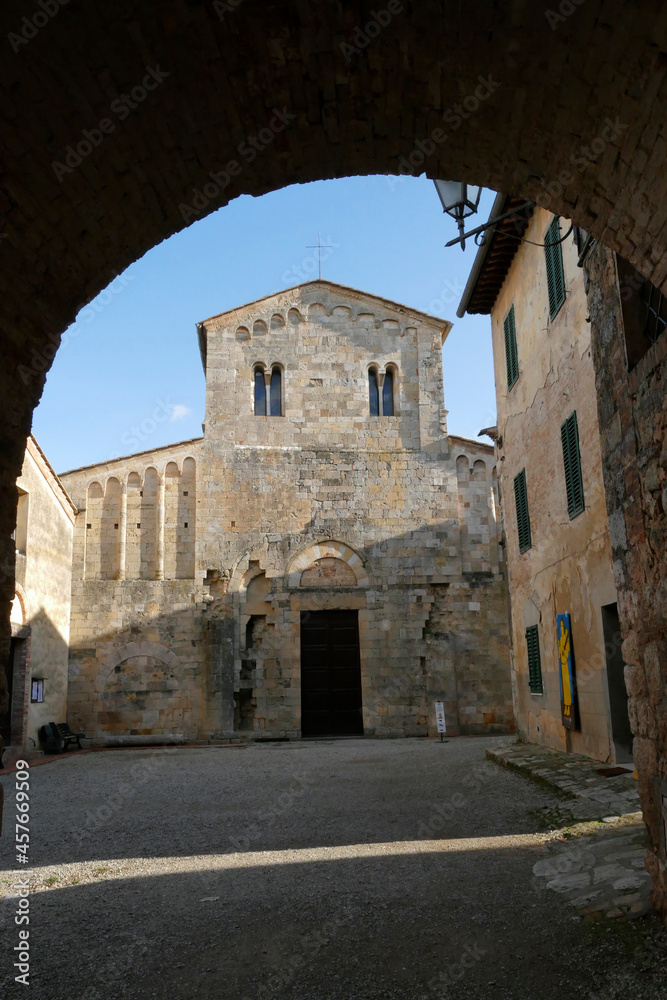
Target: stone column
(123, 529)
(381, 393)
(159, 561)
(267, 383)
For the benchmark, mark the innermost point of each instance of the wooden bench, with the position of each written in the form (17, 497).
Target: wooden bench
(57, 736)
(67, 736)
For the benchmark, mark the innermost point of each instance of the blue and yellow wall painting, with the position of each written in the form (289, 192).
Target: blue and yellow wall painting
(569, 704)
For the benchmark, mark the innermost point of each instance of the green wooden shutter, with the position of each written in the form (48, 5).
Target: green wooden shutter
(553, 253)
(522, 513)
(534, 659)
(574, 484)
(511, 353)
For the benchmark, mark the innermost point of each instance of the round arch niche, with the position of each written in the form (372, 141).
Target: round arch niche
(324, 553)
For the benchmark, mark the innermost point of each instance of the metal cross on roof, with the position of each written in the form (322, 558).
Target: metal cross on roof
(319, 246)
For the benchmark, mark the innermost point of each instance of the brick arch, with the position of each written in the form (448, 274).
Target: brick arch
(326, 550)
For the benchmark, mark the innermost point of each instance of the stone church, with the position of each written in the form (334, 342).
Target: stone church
(324, 560)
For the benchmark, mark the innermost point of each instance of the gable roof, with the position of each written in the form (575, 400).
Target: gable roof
(444, 325)
(50, 477)
(346, 292)
(494, 257)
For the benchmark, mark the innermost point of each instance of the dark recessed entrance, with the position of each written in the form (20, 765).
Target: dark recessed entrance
(330, 674)
(618, 695)
(6, 719)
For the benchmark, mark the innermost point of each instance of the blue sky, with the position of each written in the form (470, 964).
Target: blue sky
(129, 376)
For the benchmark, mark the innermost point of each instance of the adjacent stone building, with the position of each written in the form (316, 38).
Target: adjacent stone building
(324, 560)
(40, 616)
(567, 662)
(628, 320)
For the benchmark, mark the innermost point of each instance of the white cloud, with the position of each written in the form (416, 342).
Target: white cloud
(179, 410)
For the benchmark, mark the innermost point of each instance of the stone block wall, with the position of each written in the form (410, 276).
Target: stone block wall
(138, 666)
(138, 515)
(413, 510)
(323, 507)
(633, 420)
(41, 610)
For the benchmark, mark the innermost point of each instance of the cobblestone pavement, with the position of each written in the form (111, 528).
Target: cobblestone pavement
(323, 870)
(602, 871)
(600, 875)
(594, 795)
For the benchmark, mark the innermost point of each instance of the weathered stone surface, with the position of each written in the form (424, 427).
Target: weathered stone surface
(322, 507)
(635, 471)
(475, 88)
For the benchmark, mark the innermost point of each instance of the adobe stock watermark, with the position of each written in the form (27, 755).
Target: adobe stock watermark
(363, 37)
(41, 360)
(121, 107)
(248, 149)
(141, 773)
(302, 784)
(30, 26)
(310, 266)
(309, 947)
(565, 9)
(454, 117)
(451, 292)
(582, 159)
(454, 971)
(140, 433)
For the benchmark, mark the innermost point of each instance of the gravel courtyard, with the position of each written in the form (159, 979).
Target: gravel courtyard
(323, 870)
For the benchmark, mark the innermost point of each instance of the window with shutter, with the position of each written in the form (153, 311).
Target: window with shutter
(534, 660)
(553, 253)
(511, 353)
(522, 512)
(574, 484)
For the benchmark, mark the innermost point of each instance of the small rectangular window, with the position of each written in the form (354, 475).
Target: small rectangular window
(644, 311)
(388, 394)
(511, 353)
(574, 484)
(373, 393)
(276, 395)
(138, 526)
(534, 660)
(553, 252)
(522, 512)
(37, 690)
(260, 393)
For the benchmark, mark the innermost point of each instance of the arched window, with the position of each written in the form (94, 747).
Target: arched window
(388, 394)
(260, 392)
(373, 393)
(276, 393)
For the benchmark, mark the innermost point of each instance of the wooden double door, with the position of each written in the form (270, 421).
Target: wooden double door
(330, 674)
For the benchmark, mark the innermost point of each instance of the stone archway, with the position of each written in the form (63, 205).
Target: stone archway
(518, 103)
(139, 695)
(319, 562)
(184, 106)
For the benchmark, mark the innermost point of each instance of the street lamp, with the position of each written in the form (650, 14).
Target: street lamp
(459, 200)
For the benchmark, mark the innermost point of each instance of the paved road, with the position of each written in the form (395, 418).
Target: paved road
(327, 870)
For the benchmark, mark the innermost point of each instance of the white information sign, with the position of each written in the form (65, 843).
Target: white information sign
(440, 717)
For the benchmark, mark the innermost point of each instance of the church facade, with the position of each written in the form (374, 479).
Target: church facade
(325, 560)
